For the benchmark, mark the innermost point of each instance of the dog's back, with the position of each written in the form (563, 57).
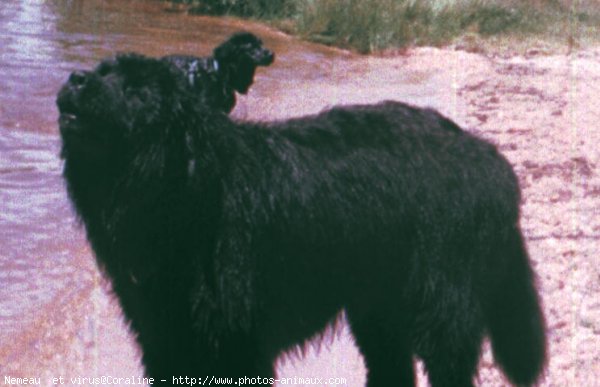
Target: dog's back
(402, 209)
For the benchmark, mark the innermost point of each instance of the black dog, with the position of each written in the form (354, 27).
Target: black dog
(228, 243)
(230, 69)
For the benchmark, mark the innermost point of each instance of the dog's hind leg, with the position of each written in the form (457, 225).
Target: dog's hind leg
(448, 328)
(384, 345)
(451, 360)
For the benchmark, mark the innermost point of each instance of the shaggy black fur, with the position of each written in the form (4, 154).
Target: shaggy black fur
(230, 69)
(228, 243)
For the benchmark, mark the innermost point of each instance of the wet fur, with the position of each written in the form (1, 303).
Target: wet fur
(228, 243)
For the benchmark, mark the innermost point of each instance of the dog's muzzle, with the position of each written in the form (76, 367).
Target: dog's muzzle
(67, 97)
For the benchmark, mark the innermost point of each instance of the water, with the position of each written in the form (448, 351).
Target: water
(32, 204)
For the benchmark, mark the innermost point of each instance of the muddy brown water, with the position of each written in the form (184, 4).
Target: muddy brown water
(50, 289)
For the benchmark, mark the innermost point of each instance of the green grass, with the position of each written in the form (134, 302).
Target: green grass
(378, 25)
(257, 9)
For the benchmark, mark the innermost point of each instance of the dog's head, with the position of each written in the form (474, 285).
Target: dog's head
(126, 101)
(239, 56)
(126, 127)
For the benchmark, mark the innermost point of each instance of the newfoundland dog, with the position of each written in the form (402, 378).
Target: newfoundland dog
(228, 243)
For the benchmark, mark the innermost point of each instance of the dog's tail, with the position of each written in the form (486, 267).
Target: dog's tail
(514, 318)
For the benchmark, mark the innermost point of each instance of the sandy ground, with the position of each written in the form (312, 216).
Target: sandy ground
(544, 114)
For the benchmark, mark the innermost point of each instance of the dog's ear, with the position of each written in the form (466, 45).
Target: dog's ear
(242, 78)
(134, 66)
(225, 53)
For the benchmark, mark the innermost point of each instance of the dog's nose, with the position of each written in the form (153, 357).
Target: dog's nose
(267, 59)
(78, 78)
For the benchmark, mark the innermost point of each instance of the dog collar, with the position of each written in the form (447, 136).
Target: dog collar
(193, 68)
